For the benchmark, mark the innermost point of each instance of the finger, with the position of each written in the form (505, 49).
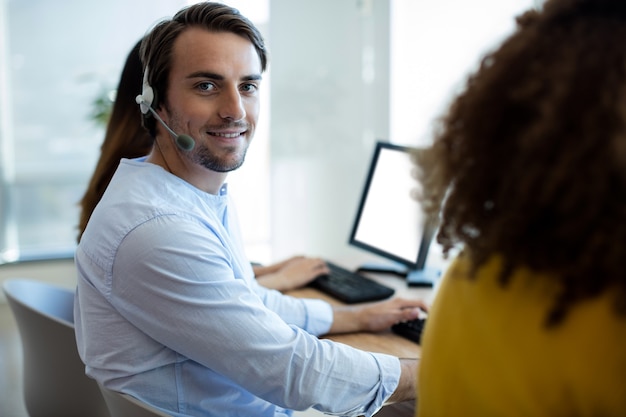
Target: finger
(319, 264)
(412, 303)
(409, 314)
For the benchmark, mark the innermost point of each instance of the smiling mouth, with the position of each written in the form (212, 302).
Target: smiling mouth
(226, 135)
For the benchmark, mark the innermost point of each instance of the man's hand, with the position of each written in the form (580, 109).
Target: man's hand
(375, 317)
(292, 273)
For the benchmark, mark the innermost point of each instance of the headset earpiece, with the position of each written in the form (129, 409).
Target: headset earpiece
(145, 100)
(146, 97)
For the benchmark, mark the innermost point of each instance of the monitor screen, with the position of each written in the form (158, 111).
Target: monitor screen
(389, 221)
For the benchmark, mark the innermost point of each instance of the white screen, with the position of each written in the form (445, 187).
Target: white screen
(391, 219)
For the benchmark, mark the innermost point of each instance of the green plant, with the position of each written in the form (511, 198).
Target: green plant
(101, 106)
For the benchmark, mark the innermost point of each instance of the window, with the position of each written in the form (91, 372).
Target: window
(434, 46)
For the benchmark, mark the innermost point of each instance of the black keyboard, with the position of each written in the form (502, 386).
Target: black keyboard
(350, 287)
(411, 329)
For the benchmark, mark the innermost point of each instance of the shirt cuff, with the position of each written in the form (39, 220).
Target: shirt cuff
(319, 316)
(390, 371)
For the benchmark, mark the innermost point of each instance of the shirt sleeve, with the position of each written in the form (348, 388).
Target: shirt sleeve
(314, 316)
(181, 291)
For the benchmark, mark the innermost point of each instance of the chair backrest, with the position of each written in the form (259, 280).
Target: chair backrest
(55, 383)
(123, 405)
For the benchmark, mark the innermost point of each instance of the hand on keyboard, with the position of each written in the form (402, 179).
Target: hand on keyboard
(411, 329)
(376, 316)
(291, 273)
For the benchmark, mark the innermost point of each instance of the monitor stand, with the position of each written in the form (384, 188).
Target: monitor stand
(422, 277)
(425, 277)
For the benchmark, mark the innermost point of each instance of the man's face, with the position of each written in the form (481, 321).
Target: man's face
(213, 96)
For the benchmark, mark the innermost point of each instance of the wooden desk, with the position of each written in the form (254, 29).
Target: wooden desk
(383, 342)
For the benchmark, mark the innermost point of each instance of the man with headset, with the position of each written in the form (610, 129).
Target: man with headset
(167, 308)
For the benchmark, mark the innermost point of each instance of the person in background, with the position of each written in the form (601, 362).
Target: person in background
(167, 308)
(125, 137)
(527, 172)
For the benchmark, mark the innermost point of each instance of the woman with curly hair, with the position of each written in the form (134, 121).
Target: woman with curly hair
(527, 173)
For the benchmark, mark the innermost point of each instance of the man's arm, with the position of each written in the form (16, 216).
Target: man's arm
(407, 386)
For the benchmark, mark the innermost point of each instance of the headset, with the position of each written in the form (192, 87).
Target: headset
(184, 142)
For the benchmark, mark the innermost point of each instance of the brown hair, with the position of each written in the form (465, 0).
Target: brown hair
(124, 137)
(530, 160)
(156, 50)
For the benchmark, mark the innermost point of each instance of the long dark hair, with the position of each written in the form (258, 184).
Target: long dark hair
(124, 138)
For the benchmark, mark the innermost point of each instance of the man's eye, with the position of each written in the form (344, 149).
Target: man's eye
(249, 88)
(206, 86)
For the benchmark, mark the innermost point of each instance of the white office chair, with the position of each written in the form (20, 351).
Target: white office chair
(123, 405)
(55, 384)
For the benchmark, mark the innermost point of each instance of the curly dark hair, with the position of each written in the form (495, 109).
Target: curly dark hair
(530, 160)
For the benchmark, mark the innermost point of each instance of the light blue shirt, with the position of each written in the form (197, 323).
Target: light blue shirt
(168, 310)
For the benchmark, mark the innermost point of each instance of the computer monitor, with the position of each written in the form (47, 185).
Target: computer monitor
(389, 221)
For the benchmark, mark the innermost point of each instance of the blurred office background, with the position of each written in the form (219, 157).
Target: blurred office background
(343, 74)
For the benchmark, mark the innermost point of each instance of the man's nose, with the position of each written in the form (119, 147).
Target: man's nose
(231, 105)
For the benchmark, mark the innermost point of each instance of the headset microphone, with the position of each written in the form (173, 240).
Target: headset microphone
(184, 142)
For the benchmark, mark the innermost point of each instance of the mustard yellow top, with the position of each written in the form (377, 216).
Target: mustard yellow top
(486, 351)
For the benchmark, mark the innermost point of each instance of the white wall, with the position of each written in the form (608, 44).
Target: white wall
(434, 45)
(330, 100)
(345, 73)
